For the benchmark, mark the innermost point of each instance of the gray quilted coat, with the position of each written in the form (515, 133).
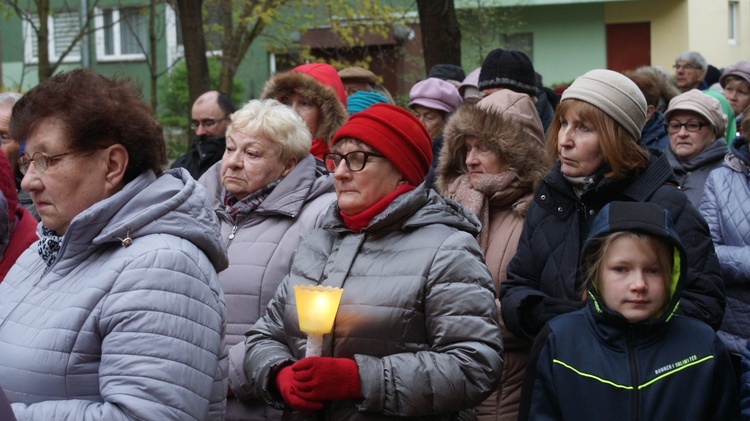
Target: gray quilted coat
(110, 332)
(726, 208)
(692, 175)
(417, 313)
(260, 247)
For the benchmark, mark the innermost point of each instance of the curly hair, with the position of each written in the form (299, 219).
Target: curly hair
(97, 112)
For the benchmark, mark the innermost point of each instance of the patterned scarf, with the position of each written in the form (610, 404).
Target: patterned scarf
(490, 191)
(236, 208)
(582, 184)
(49, 246)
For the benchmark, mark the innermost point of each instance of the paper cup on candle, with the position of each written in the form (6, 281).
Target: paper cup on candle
(316, 310)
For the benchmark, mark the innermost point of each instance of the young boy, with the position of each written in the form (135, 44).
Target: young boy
(626, 355)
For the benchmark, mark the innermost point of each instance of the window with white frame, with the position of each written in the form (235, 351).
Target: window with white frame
(62, 30)
(733, 13)
(121, 34)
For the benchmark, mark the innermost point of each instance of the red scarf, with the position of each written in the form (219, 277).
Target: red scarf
(318, 148)
(361, 220)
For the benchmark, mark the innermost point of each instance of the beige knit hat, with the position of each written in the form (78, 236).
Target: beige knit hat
(706, 106)
(613, 93)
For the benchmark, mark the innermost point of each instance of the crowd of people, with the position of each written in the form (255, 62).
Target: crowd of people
(506, 251)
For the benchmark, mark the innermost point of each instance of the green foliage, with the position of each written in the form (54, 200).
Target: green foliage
(174, 102)
(485, 27)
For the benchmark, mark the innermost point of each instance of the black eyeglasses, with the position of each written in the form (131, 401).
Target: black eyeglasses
(355, 160)
(691, 126)
(206, 122)
(42, 161)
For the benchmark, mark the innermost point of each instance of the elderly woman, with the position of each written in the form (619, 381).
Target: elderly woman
(726, 207)
(117, 312)
(735, 85)
(492, 162)
(269, 193)
(433, 101)
(695, 123)
(594, 137)
(316, 93)
(417, 312)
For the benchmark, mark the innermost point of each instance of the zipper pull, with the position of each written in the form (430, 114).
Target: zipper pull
(234, 231)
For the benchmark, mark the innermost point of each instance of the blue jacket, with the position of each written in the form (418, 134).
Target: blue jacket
(726, 207)
(593, 364)
(545, 268)
(654, 134)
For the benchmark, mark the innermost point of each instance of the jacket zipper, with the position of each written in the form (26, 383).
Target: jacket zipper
(635, 404)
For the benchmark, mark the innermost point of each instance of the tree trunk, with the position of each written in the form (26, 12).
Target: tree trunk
(45, 69)
(191, 23)
(441, 35)
(152, 55)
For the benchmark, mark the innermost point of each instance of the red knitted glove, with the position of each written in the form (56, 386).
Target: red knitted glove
(326, 379)
(285, 384)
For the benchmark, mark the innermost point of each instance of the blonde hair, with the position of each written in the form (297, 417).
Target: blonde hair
(276, 122)
(595, 259)
(620, 149)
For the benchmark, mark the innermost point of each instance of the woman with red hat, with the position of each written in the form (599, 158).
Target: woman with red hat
(316, 93)
(416, 333)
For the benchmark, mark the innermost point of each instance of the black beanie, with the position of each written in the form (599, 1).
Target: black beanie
(447, 72)
(509, 69)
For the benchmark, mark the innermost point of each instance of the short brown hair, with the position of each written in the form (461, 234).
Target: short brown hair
(621, 150)
(647, 85)
(97, 113)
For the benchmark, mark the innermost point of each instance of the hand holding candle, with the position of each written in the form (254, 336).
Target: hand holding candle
(316, 310)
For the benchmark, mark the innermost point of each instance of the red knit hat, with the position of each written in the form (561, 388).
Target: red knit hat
(325, 74)
(8, 187)
(395, 133)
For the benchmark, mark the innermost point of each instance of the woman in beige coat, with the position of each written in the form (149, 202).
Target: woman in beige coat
(492, 161)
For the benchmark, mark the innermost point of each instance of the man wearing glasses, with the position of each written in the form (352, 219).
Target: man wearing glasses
(210, 116)
(689, 70)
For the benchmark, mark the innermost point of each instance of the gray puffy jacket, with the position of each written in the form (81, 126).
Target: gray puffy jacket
(115, 331)
(726, 207)
(260, 247)
(417, 313)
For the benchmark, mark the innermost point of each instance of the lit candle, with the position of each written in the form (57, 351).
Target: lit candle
(316, 310)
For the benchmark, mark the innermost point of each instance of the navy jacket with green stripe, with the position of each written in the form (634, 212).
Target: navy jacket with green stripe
(592, 364)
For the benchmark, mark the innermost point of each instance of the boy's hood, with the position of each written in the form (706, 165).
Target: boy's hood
(646, 218)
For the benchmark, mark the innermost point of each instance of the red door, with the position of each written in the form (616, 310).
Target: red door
(628, 45)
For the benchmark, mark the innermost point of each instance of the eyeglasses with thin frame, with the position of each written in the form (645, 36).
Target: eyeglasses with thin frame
(355, 160)
(683, 66)
(42, 160)
(206, 122)
(691, 126)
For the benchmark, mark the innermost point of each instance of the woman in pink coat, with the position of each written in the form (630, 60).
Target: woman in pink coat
(492, 161)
